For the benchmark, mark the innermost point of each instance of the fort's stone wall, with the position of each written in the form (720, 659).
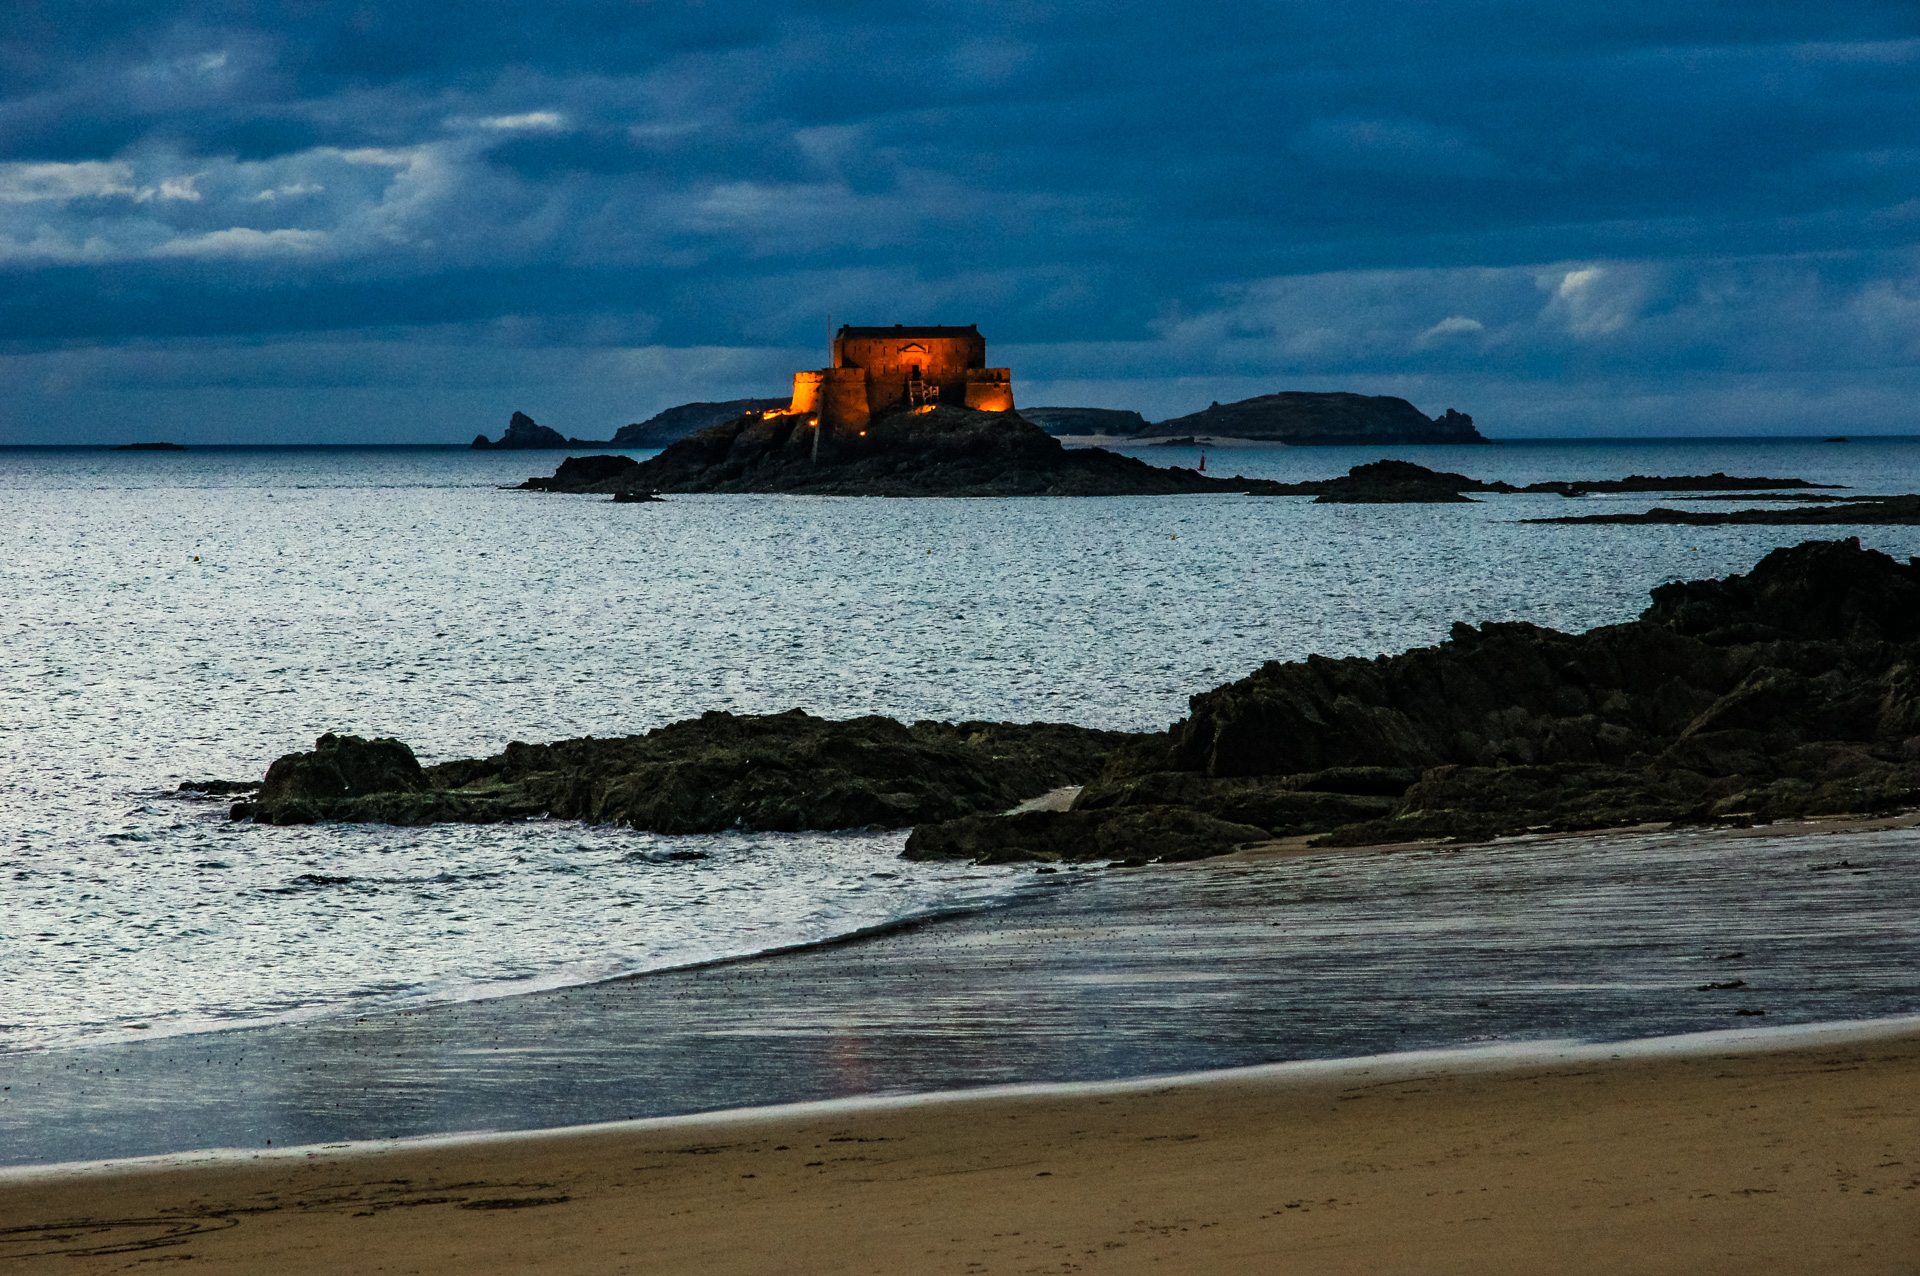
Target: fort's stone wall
(846, 399)
(806, 392)
(878, 370)
(990, 389)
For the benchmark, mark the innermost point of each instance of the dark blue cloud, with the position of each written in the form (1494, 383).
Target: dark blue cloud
(1224, 195)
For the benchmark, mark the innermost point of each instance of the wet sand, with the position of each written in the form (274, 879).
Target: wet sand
(1704, 1161)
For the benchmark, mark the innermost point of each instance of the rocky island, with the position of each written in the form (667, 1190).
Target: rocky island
(525, 432)
(1390, 483)
(1306, 418)
(917, 411)
(929, 451)
(1296, 418)
(1783, 693)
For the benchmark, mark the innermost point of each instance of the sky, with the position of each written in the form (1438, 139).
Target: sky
(341, 221)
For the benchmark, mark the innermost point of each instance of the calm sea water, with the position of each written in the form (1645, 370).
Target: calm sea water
(176, 616)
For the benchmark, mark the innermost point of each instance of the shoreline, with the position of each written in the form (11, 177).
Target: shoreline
(1692, 1157)
(1277, 849)
(1086, 977)
(1382, 1068)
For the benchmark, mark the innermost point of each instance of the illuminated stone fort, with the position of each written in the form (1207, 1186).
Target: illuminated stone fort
(877, 370)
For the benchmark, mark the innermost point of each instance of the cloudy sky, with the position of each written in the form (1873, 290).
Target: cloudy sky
(350, 221)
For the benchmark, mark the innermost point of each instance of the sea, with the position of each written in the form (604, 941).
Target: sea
(169, 617)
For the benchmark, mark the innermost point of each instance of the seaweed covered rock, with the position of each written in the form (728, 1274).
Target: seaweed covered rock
(300, 788)
(1793, 690)
(782, 772)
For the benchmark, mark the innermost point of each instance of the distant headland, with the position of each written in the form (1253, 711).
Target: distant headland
(675, 424)
(1297, 418)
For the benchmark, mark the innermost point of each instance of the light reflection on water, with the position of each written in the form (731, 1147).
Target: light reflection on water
(189, 616)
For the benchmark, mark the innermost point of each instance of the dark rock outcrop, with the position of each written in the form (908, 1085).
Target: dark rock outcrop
(217, 788)
(581, 474)
(1876, 511)
(342, 769)
(525, 432)
(1086, 421)
(1400, 482)
(1397, 483)
(1714, 482)
(1302, 418)
(1818, 591)
(1793, 690)
(675, 424)
(945, 451)
(781, 772)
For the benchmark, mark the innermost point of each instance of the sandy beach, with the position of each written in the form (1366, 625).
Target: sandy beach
(1694, 1160)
